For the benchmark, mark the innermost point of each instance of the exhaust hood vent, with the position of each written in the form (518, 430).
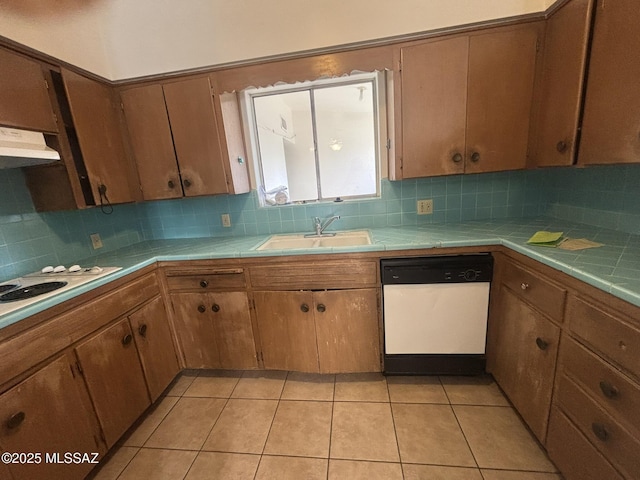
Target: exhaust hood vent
(21, 148)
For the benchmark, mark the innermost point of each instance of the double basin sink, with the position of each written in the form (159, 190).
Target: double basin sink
(300, 241)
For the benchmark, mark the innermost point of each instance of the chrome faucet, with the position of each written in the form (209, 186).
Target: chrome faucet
(320, 227)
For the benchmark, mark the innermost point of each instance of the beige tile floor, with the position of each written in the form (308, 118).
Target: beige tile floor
(279, 425)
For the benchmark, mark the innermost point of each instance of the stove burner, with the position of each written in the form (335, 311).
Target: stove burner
(31, 291)
(5, 288)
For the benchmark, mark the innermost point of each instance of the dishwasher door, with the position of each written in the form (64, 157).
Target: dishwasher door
(439, 318)
(435, 313)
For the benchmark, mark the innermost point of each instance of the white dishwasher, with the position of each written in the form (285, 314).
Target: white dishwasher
(435, 314)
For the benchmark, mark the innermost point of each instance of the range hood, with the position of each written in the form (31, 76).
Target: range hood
(21, 148)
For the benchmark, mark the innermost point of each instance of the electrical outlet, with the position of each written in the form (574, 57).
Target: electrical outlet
(226, 220)
(425, 207)
(96, 241)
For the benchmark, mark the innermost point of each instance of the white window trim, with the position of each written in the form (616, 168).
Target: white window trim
(380, 79)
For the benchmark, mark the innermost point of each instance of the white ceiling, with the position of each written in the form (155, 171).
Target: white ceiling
(121, 39)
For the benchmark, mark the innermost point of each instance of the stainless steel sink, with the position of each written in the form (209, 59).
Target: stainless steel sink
(299, 241)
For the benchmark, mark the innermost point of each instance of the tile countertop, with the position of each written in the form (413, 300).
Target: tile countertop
(614, 268)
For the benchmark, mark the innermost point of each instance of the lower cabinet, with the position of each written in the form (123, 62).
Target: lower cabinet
(329, 331)
(522, 341)
(49, 413)
(111, 367)
(215, 329)
(525, 359)
(155, 346)
(597, 393)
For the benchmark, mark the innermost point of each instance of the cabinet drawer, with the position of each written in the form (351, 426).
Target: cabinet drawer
(547, 297)
(615, 392)
(312, 275)
(606, 333)
(608, 436)
(572, 453)
(206, 279)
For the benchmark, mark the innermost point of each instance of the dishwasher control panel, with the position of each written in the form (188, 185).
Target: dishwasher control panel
(436, 269)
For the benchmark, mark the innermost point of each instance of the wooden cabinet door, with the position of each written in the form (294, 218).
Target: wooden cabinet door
(24, 100)
(194, 327)
(611, 122)
(96, 119)
(195, 136)
(434, 105)
(565, 52)
(151, 141)
(500, 90)
(348, 330)
(523, 359)
(155, 346)
(49, 412)
(233, 329)
(287, 330)
(114, 377)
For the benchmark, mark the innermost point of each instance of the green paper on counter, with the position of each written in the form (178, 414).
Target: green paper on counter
(546, 239)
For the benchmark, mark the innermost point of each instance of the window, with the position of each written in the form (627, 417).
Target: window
(316, 141)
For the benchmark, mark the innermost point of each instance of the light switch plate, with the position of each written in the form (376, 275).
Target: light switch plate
(226, 220)
(96, 241)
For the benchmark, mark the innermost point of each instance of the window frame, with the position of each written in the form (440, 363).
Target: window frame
(378, 83)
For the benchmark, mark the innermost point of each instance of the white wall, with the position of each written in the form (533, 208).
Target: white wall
(121, 39)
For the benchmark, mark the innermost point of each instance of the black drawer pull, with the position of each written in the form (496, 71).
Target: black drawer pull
(542, 345)
(204, 283)
(609, 390)
(126, 340)
(215, 307)
(202, 308)
(457, 158)
(600, 431)
(304, 307)
(321, 308)
(142, 330)
(15, 420)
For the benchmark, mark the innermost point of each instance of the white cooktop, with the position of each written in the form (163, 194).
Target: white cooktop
(72, 278)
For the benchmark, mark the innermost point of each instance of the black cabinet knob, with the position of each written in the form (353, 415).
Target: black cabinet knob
(142, 330)
(457, 158)
(304, 307)
(542, 345)
(600, 431)
(202, 308)
(562, 146)
(321, 308)
(170, 184)
(204, 283)
(126, 340)
(215, 307)
(186, 182)
(15, 420)
(609, 391)
(475, 157)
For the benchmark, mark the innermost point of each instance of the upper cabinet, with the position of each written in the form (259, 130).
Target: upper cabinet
(466, 102)
(96, 118)
(611, 122)
(178, 136)
(24, 100)
(561, 85)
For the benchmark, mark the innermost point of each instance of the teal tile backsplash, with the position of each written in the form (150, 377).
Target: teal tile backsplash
(602, 196)
(31, 240)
